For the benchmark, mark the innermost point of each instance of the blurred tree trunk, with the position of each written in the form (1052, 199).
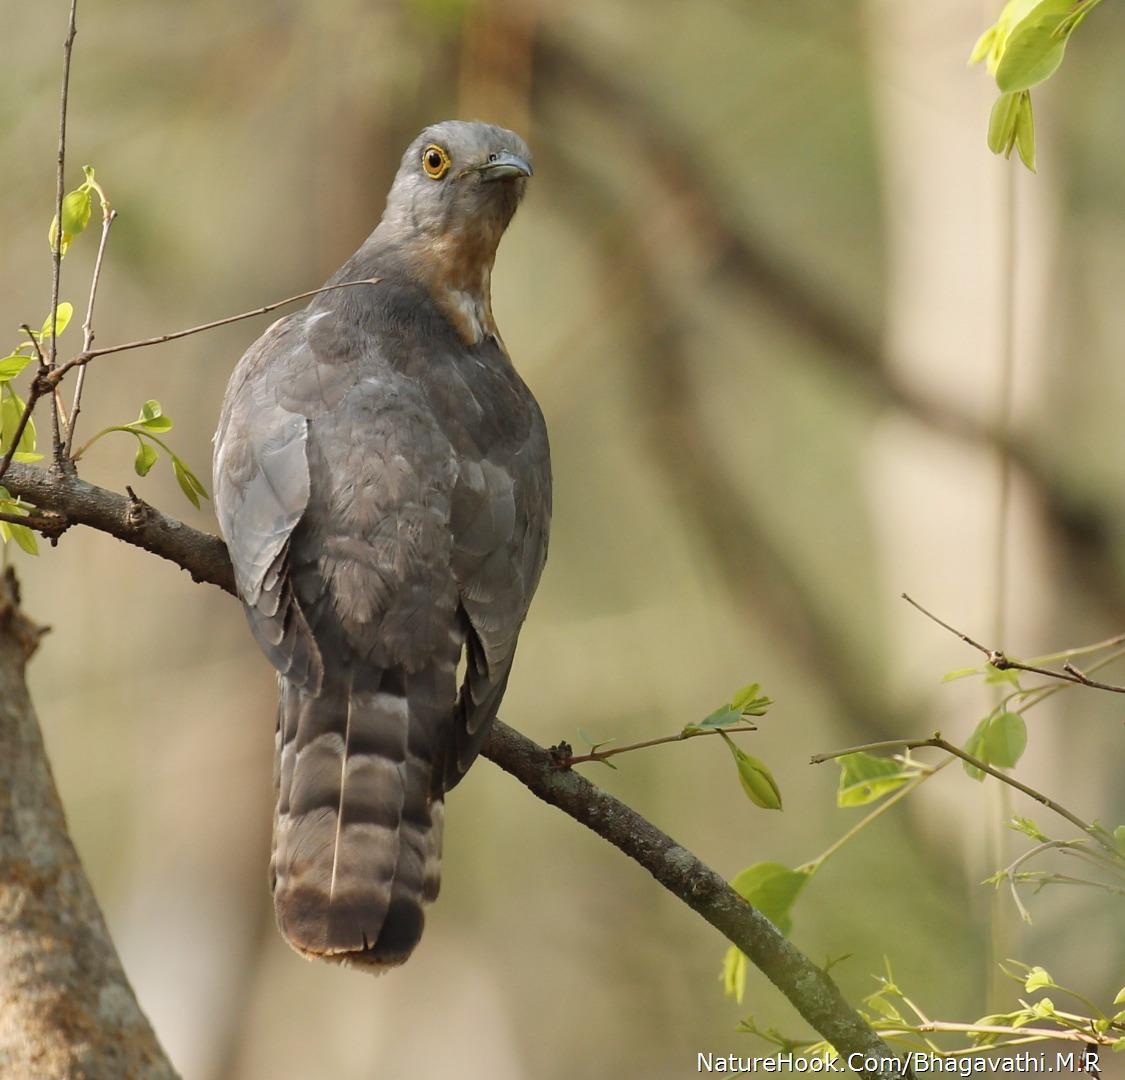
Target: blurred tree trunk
(66, 1007)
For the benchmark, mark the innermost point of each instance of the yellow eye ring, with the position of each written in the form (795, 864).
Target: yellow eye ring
(435, 161)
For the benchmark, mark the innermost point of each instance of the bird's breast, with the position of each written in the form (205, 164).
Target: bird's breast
(469, 312)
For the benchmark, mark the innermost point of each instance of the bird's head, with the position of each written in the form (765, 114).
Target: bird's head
(458, 186)
(455, 192)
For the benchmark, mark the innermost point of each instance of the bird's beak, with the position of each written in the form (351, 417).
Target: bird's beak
(505, 166)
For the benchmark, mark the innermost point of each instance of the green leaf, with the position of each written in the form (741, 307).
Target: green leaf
(771, 888)
(11, 410)
(1119, 838)
(887, 1009)
(994, 40)
(1028, 828)
(1034, 50)
(999, 739)
(185, 484)
(1005, 739)
(750, 701)
(63, 315)
(152, 418)
(974, 746)
(146, 457)
(1038, 979)
(9, 530)
(76, 209)
(995, 676)
(1120, 999)
(983, 46)
(733, 975)
(188, 481)
(960, 673)
(1002, 124)
(723, 716)
(1025, 131)
(755, 777)
(23, 536)
(11, 366)
(865, 778)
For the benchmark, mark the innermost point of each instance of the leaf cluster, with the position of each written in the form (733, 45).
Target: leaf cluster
(1022, 49)
(146, 429)
(18, 434)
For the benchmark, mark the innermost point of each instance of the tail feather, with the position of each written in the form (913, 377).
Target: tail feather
(357, 831)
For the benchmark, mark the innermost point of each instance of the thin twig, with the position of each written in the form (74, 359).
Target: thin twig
(939, 743)
(56, 253)
(952, 629)
(1080, 676)
(567, 760)
(1080, 650)
(1040, 878)
(108, 217)
(998, 659)
(1003, 420)
(1042, 693)
(1010, 870)
(1086, 1035)
(86, 356)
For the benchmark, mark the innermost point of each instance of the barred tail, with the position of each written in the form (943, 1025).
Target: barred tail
(357, 830)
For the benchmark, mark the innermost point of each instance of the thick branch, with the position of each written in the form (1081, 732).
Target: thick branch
(126, 517)
(66, 1007)
(807, 986)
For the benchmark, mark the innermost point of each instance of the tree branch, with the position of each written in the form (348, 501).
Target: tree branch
(564, 757)
(109, 215)
(1000, 660)
(56, 246)
(939, 743)
(126, 517)
(808, 987)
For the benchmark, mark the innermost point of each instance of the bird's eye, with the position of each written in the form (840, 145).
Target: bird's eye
(435, 161)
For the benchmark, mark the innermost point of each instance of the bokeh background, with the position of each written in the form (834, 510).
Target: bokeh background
(758, 287)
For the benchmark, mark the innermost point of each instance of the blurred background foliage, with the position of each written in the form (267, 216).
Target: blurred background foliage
(755, 287)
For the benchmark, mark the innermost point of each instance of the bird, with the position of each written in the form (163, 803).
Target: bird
(382, 480)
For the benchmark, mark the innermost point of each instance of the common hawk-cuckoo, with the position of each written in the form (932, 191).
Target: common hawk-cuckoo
(382, 480)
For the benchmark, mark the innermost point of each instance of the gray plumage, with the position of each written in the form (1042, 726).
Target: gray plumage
(382, 479)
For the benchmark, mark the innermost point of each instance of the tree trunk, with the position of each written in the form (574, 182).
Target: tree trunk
(66, 1007)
